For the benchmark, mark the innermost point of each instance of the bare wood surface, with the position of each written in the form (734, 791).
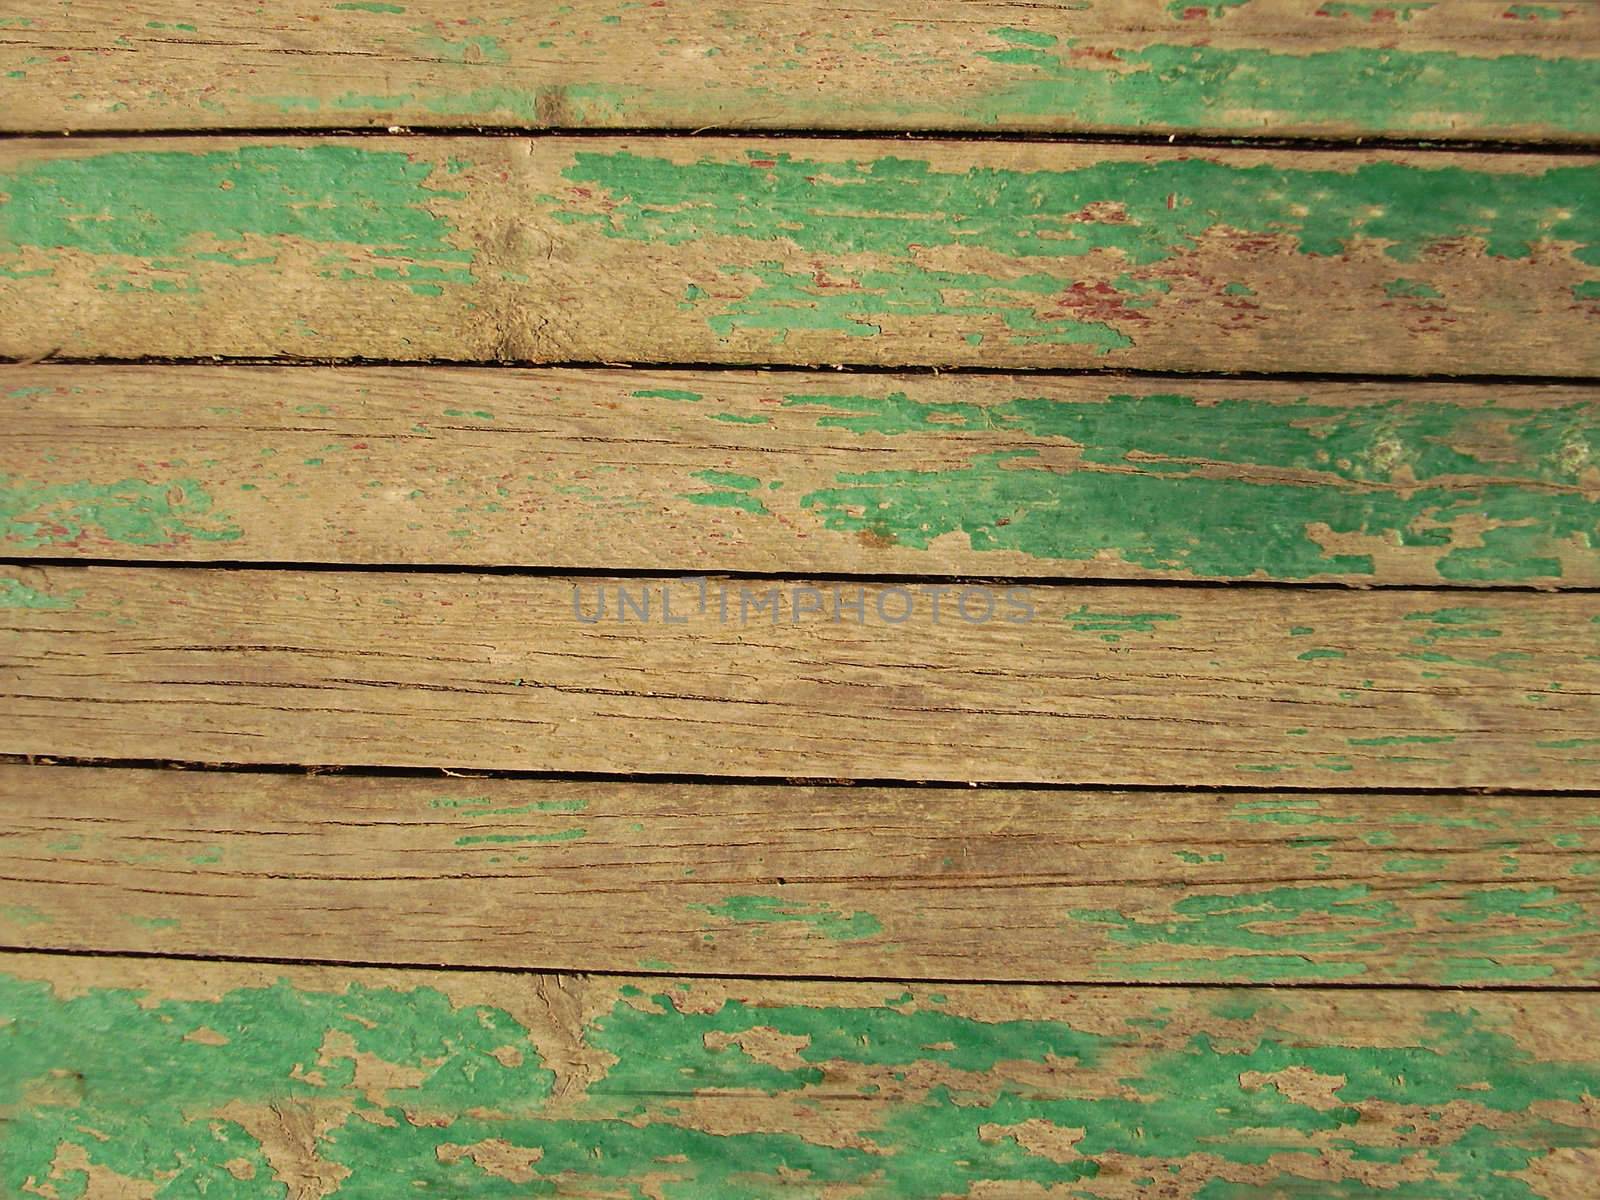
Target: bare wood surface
(1133, 685)
(801, 252)
(717, 470)
(339, 1081)
(784, 880)
(1461, 69)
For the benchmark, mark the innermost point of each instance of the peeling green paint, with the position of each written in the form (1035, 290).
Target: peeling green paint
(819, 917)
(176, 206)
(1112, 626)
(668, 394)
(733, 491)
(1223, 87)
(1410, 289)
(455, 1077)
(1145, 487)
(1329, 933)
(1148, 213)
(508, 839)
(482, 806)
(132, 512)
(16, 594)
(1260, 936)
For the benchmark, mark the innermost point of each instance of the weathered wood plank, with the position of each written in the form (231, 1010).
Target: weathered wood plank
(721, 470)
(594, 876)
(802, 252)
(1466, 68)
(261, 1081)
(1166, 686)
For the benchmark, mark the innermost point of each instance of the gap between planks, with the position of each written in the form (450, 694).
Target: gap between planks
(467, 775)
(1557, 149)
(358, 965)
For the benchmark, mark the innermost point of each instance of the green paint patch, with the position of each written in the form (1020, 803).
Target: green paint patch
(258, 1044)
(369, 6)
(1286, 926)
(854, 305)
(1403, 740)
(1209, 87)
(22, 914)
(1191, 10)
(668, 394)
(406, 1083)
(480, 49)
(1314, 655)
(728, 479)
(1025, 37)
(174, 206)
(512, 839)
(16, 594)
(131, 512)
(733, 492)
(1455, 625)
(482, 806)
(1285, 812)
(1146, 212)
(819, 917)
(154, 923)
(1144, 488)
(1374, 11)
(1410, 289)
(1112, 627)
(1406, 865)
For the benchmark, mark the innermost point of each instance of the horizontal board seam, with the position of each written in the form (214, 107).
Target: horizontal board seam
(635, 973)
(1487, 146)
(1443, 591)
(325, 770)
(843, 370)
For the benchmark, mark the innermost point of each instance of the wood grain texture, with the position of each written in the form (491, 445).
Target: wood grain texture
(1166, 686)
(718, 470)
(857, 882)
(266, 1081)
(1462, 68)
(802, 252)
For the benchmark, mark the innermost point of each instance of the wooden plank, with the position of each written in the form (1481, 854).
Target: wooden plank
(802, 252)
(1462, 69)
(718, 470)
(1132, 685)
(263, 1080)
(592, 876)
